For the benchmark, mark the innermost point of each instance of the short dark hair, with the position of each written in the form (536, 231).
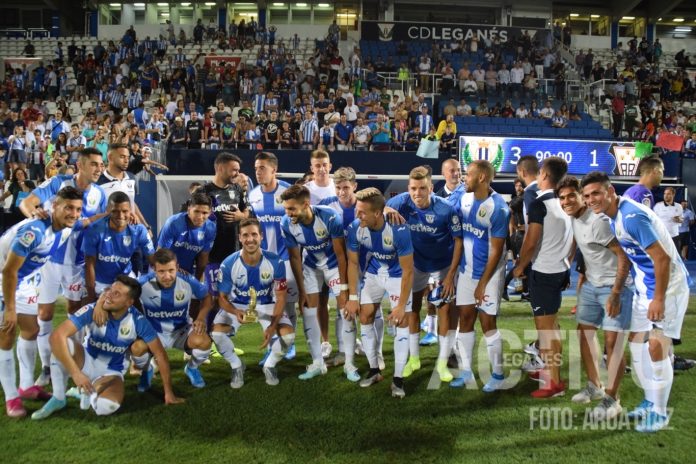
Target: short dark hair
(164, 256)
(200, 198)
(528, 163)
(519, 180)
(69, 193)
(117, 198)
(250, 222)
(267, 156)
(295, 192)
(89, 151)
(118, 146)
(568, 182)
(226, 157)
(134, 289)
(556, 168)
(648, 164)
(594, 177)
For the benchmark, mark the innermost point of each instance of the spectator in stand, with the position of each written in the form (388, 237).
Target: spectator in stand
(463, 109)
(508, 111)
(574, 113)
(381, 134)
(618, 109)
(558, 121)
(547, 111)
(522, 112)
(445, 124)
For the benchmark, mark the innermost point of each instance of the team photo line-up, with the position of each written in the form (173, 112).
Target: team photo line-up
(271, 253)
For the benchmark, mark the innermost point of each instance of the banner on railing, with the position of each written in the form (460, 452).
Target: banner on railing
(220, 62)
(614, 158)
(387, 31)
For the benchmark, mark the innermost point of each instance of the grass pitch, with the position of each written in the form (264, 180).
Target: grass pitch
(330, 420)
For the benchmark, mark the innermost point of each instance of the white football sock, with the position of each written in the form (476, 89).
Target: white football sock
(638, 363)
(45, 330)
(451, 343)
(379, 329)
(413, 346)
(465, 342)
(291, 312)
(312, 333)
(59, 376)
(348, 339)
(494, 345)
(26, 354)
(339, 329)
(141, 362)
(8, 374)
(663, 375)
(199, 356)
(431, 323)
(103, 406)
(445, 347)
(401, 343)
(369, 342)
(226, 348)
(278, 349)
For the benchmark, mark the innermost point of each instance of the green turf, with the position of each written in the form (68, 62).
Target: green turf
(331, 420)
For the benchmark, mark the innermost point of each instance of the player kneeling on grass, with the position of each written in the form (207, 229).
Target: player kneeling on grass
(98, 368)
(166, 302)
(252, 280)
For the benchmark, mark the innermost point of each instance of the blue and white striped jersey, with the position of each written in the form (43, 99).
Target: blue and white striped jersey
(481, 221)
(35, 241)
(167, 309)
(385, 246)
(93, 202)
(268, 209)
(186, 241)
(113, 250)
(432, 230)
(110, 342)
(237, 277)
(316, 239)
(636, 228)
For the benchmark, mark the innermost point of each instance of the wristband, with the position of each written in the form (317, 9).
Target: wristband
(352, 297)
(343, 287)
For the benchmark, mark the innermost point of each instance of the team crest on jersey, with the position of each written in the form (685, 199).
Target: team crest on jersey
(266, 277)
(127, 240)
(482, 213)
(201, 235)
(27, 238)
(646, 201)
(455, 219)
(278, 200)
(388, 241)
(321, 233)
(124, 331)
(180, 295)
(430, 218)
(232, 194)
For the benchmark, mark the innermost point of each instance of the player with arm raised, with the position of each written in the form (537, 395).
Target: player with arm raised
(65, 269)
(319, 231)
(24, 250)
(389, 270)
(98, 367)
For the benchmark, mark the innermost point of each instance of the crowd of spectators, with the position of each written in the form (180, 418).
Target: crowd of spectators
(144, 91)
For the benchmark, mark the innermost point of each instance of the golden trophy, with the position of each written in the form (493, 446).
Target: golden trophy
(251, 316)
